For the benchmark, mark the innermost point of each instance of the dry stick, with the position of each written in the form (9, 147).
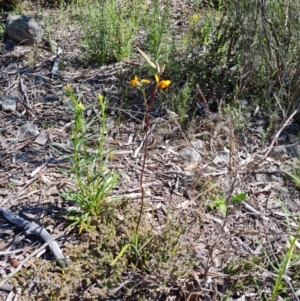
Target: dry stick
(269, 149)
(34, 228)
(26, 102)
(23, 90)
(128, 196)
(39, 168)
(56, 61)
(277, 134)
(22, 70)
(44, 78)
(203, 98)
(254, 211)
(286, 278)
(11, 252)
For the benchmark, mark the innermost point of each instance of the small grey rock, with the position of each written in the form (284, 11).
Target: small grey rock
(293, 138)
(283, 138)
(109, 123)
(293, 150)
(276, 178)
(23, 29)
(280, 149)
(10, 103)
(243, 138)
(259, 129)
(42, 138)
(260, 121)
(221, 157)
(12, 66)
(197, 143)
(189, 155)
(27, 130)
(9, 44)
(261, 177)
(291, 164)
(268, 178)
(38, 80)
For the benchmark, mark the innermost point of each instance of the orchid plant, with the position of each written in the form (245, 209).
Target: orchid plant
(159, 85)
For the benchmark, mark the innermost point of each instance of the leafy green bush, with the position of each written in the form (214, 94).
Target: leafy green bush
(109, 29)
(93, 181)
(243, 49)
(9, 4)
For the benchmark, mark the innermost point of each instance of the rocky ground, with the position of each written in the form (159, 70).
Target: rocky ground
(182, 169)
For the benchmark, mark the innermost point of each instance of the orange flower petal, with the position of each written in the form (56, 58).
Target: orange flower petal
(145, 81)
(156, 78)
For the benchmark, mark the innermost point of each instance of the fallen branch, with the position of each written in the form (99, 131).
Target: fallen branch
(34, 228)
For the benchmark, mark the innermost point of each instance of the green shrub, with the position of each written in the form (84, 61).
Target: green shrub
(9, 4)
(109, 29)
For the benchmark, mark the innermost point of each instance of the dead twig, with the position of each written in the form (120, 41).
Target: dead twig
(56, 61)
(203, 98)
(39, 168)
(23, 89)
(287, 121)
(25, 102)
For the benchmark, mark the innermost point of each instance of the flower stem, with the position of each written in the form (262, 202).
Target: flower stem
(148, 106)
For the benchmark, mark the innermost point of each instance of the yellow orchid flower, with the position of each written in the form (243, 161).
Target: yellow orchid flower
(163, 84)
(135, 81)
(145, 81)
